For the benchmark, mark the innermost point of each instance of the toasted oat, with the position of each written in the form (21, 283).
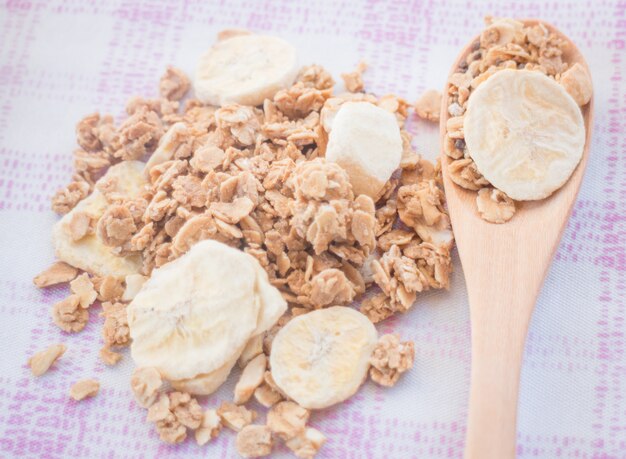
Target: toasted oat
(464, 173)
(354, 80)
(209, 429)
(235, 417)
(69, 316)
(84, 388)
(174, 84)
(109, 357)
(307, 444)
(287, 419)
(250, 379)
(80, 225)
(266, 396)
(173, 413)
(116, 226)
(83, 287)
(109, 288)
(378, 307)
(145, 383)
(66, 199)
(58, 273)
(577, 83)
(254, 441)
(428, 106)
(494, 206)
(390, 359)
(115, 330)
(41, 361)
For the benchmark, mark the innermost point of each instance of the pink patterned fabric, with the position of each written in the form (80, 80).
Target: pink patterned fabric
(60, 60)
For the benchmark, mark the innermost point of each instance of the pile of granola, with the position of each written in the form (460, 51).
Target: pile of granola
(254, 178)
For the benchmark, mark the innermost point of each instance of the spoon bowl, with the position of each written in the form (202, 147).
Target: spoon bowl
(505, 266)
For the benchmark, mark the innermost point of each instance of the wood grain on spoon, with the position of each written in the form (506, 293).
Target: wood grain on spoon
(504, 268)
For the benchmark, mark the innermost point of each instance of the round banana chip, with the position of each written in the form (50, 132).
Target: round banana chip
(193, 313)
(322, 357)
(245, 69)
(525, 133)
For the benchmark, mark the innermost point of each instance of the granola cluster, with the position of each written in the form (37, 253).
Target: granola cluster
(503, 44)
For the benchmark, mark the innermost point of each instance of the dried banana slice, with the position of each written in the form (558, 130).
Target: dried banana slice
(365, 140)
(245, 69)
(524, 132)
(322, 357)
(89, 253)
(195, 314)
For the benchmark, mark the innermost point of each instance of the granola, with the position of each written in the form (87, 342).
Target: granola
(69, 316)
(390, 359)
(41, 361)
(209, 429)
(84, 388)
(58, 273)
(235, 417)
(254, 441)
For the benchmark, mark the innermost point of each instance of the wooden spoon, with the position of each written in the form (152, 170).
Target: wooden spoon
(504, 268)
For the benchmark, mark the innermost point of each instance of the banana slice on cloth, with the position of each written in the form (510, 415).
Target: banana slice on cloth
(89, 253)
(322, 357)
(245, 69)
(525, 133)
(195, 314)
(365, 140)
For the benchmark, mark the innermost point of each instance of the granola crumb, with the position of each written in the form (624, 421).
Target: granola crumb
(209, 428)
(109, 288)
(41, 361)
(83, 287)
(235, 417)
(390, 359)
(354, 80)
(69, 316)
(145, 383)
(307, 444)
(84, 388)
(115, 330)
(58, 273)
(174, 84)
(109, 357)
(287, 419)
(428, 106)
(254, 441)
(494, 205)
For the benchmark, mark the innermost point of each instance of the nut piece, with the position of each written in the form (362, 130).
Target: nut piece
(390, 359)
(307, 444)
(109, 357)
(428, 106)
(287, 419)
(494, 205)
(251, 378)
(57, 273)
(83, 287)
(134, 282)
(254, 441)
(145, 383)
(209, 428)
(43, 360)
(577, 83)
(235, 417)
(267, 396)
(68, 316)
(84, 388)
(253, 348)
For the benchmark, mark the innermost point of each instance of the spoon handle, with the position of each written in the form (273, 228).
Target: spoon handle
(500, 316)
